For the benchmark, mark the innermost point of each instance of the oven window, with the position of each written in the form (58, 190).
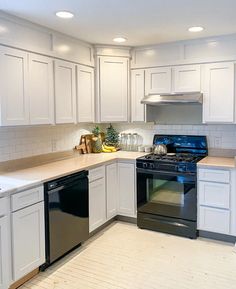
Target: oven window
(165, 192)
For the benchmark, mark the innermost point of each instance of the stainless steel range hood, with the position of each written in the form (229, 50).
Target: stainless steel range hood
(178, 98)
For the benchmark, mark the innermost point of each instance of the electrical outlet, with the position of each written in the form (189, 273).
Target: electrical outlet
(54, 145)
(217, 142)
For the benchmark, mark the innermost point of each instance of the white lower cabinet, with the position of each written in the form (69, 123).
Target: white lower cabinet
(214, 220)
(97, 198)
(215, 201)
(28, 239)
(111, 193)
(126, 187)
(111, 190)
(4, 253)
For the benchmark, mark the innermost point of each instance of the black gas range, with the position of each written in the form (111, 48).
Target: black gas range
(167, 185)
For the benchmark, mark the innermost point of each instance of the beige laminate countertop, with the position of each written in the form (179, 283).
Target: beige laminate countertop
(19, 180)
(220, 162)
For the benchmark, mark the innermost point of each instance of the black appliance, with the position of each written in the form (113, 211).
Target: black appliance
(66, 215)
(167, 185)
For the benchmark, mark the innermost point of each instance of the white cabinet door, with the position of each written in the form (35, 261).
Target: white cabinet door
(214, 220)
(13, 88)
(97, 204)
(113, 89)
(41, 89)
(214, 195)
(111, 189)
(218, 98)
(4, 258)
(65, 92)
(28, 240)
(85, 93)
(187, 78)
(137, 94)
(158, 80)
(126, 187)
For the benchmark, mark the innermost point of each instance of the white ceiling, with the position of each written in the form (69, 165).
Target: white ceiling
(143, 22)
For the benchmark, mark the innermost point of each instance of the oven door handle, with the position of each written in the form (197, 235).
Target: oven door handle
(154, 172)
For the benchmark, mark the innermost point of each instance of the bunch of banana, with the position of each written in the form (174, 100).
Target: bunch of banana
(108, 149)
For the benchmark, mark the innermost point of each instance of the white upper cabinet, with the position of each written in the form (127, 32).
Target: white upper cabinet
(41, 89)
(186, 78)
(85, 93)
(65, 92)
(13, 89)
(113, 88)
(219, 90)
(137, 94)
(158, 80)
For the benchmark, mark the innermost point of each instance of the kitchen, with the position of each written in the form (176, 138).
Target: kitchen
(130, 218)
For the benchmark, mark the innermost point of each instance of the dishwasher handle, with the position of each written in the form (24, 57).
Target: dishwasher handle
(56, 190)
(65, 181)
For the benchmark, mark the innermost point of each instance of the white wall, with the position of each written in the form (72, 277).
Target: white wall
(218, 136)
(20, 142)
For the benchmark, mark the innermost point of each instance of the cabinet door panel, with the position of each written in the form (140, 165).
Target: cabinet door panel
(218, 98)
(158, 80)
(127, 194)
(41, 89)
(28, 235)
(4, 258)
(137, 94)
(113, 90)
(13, 88)
(214, 194)
(97, 204)
(111, 186)
(187, 78)
(214, 220)
(85, 89)
(65, 96)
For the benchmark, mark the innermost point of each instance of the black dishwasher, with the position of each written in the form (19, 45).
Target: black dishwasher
(66, 215)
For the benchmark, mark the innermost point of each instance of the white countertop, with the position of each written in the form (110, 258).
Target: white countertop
(19, 180)
(219, 162)
(15, 181)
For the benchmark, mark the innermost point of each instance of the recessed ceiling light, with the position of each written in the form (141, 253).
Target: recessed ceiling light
(119, 39)
(65, 14)
(195, 29)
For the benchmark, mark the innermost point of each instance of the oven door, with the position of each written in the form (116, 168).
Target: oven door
(169, 194)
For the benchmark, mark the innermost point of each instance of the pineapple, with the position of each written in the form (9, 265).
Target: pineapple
(96, 140)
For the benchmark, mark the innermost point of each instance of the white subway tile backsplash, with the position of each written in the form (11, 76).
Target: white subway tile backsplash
(20, 142)
(218, 136)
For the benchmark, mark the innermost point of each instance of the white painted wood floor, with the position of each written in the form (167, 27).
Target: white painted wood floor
(125, 257)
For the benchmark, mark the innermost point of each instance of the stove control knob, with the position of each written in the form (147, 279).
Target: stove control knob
(182, 168)
(151, 166)
(145, 165)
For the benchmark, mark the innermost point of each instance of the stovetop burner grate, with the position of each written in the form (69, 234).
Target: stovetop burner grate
(181, 157)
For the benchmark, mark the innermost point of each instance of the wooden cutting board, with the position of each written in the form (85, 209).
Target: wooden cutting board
(85, 145)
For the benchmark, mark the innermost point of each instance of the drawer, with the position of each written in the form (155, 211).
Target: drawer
(219, 176)
(214, 220)
(3, 206)
(97, 173)
(26, 198)
(214, 194)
